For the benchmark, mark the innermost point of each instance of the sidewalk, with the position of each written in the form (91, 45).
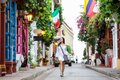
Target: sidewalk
(115, 73)
(29, 74)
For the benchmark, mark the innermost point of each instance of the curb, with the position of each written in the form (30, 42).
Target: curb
(104, 72)
(31, 77)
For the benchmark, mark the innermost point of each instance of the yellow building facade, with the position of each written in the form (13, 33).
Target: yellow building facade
(67, 33)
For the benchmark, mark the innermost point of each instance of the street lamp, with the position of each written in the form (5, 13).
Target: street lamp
(112, 23)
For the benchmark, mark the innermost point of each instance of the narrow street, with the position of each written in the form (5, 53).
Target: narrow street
(76, 72)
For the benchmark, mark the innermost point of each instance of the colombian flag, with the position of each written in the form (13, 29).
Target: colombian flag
(91, 8)
(88, 5)
(90, 11)
(85, 5)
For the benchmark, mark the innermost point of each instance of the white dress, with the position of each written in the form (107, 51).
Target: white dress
(59, 52)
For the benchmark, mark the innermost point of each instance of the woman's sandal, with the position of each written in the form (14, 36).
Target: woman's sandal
(61, 75)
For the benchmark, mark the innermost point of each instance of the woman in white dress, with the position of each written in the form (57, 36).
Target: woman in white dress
(61, 50)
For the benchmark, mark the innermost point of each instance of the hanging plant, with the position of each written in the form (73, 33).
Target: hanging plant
(36, 7)
(110, 8)
(48, 36)
(88, 32)
(69, 49)
(45, 23)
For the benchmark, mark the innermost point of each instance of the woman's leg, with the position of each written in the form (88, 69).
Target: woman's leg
(62, 67)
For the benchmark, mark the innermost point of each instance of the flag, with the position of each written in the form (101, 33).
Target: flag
(56, 18)
(90, 11)
(85, 5)
(96, 8)
(88, 6)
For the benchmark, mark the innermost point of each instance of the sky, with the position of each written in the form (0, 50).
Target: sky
(71, 12)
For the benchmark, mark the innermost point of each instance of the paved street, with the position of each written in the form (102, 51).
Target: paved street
(76, 72)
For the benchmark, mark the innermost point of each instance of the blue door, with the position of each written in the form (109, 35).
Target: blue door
(11, 29)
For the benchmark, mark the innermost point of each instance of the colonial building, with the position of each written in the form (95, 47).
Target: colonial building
(2, 37)
(67, 33)
(13, 37)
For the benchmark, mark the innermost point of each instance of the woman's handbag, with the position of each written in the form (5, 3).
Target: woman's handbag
(65, 58)
(64, 55)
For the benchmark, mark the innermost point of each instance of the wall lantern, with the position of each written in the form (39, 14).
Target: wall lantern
(29, 17)
(43, 32)
(55, 43)
(39, 31)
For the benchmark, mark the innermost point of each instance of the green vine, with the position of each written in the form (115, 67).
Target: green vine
(110, 8)
(45, 22)
(42, 13)
(30, 46)
(35, 7)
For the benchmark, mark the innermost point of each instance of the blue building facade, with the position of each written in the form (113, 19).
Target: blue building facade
(11, 29)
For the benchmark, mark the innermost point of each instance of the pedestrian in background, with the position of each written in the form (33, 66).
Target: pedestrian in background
(61, 50)
(76, 60)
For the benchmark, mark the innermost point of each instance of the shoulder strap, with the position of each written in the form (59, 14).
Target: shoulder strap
(62, 50)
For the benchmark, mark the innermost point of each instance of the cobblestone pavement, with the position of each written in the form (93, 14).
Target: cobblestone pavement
(75, 72)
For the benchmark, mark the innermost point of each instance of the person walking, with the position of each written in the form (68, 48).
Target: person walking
(60, 52)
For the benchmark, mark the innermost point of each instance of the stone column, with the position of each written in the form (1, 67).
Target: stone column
(115, 46)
